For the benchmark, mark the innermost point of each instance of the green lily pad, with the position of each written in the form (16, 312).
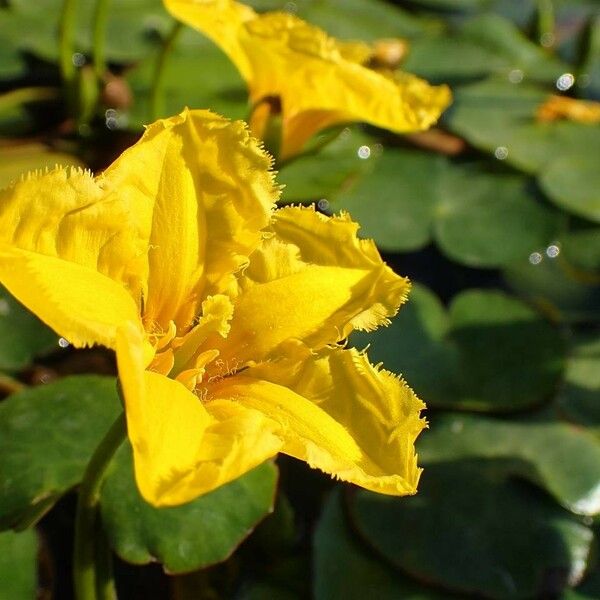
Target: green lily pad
(574, 184)
(188, 537)
(542, 451)
(18, 565)
(363, 19)
(326, 173)
(473, 530)
(478, 217)
(490, 352)
(580, 246)
(47, 436)
(556, 288)
(345, 568)
(499, 117)
(590, 65)
(22, 334)
(395, 201)
(485, 45)
(579, 397)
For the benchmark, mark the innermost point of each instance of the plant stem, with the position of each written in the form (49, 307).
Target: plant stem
(10, 385)
(19, 96)
(100, 20)
(85, 553)
(156, 93)
(545, 22)
(68, 19)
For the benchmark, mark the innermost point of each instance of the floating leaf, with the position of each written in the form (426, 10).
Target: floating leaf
(478, 217)
(22, 335)
(490, 352)
(18, 565)
(557, 288)
(345, 568)
(47, 436)
(187, 537)
(485, 45)
(574, 184)
(325, 174)
(499, 117)
(543, 451)
(473, 530)
(579, 397)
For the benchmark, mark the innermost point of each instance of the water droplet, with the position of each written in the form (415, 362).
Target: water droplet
(565, 82)
(501, 152)
(552, 251)
(84, 129)
(291, 7)
(364, 152)
(78, 59)
(457, 426)
(4, 307)
(515, 76)
(345, 133)
(535, 258)
(584, 80)
(115, 119)
(63, 343)
(323, 204)
(547, 39)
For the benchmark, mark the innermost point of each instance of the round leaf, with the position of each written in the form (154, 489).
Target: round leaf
(490, 353)
(345, 568)
(394, 203)
(18, 565)
(22, 335)
(484, 45)
(557, 288)
(324, 174)
(187, 537)
(488, 219)
(580, 393)
(473, 530)
(478, 217)
(544, 452)
(47, 436)
(573, 182)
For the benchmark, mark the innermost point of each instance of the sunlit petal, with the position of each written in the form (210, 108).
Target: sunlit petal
(50, 287)
(211, 191)
(312, 280)
(183, 448)
(339, 414)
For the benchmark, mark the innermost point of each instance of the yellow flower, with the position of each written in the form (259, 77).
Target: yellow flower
(226, 315)
(563, 107)
(315, 80)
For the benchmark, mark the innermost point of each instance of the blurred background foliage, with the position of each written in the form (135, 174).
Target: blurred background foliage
(494, 215)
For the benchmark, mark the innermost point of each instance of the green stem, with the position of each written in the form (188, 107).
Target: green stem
(545, 22)
(68, 19)
(156, 93)
(27, 94)
(10, 385)
(85, 554)
(105, 585)
(100, 21)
